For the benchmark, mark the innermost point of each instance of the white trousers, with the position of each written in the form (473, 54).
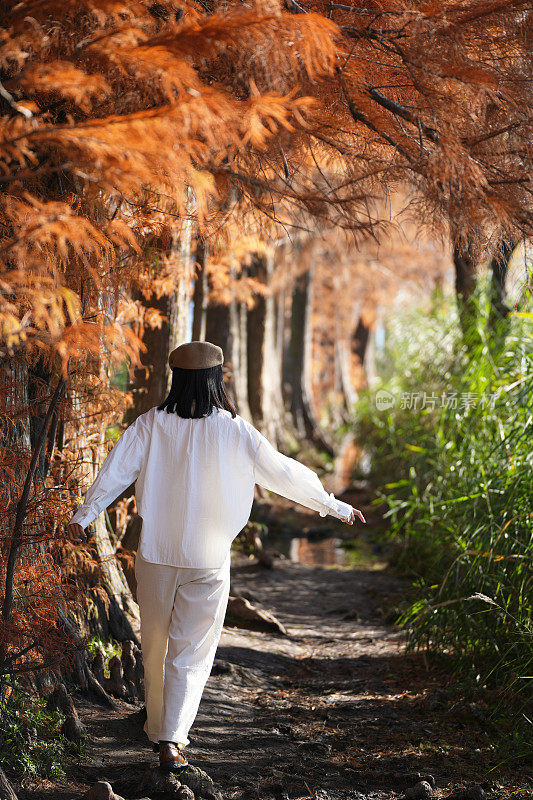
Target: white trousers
(182, 614)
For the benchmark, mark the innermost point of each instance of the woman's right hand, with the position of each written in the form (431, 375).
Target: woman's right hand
(75, 533)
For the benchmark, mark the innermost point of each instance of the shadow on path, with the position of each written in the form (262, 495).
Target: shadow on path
(333, 709)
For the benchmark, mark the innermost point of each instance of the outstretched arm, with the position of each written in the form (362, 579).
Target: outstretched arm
(119, 470)
(293, 480)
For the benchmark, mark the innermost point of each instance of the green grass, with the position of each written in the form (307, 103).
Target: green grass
(456, 481)
(31, 742)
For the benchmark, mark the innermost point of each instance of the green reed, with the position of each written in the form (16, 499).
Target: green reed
(456, 476)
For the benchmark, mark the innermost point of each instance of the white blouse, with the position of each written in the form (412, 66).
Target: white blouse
(195, 484)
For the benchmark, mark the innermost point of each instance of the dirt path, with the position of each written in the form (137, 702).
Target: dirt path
(335, 709)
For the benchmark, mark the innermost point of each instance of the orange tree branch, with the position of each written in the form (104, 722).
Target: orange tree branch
(358, 116)
(22, 505)
(404, 113)
(46, 169)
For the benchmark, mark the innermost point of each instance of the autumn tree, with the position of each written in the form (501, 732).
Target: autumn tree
(433, 96)
(112, 138)
(131, 135)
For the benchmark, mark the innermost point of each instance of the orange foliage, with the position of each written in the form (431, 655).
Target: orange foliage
(122, 122)
(115, 122)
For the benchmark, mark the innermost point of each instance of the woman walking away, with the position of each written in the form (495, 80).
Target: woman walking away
(195, 463)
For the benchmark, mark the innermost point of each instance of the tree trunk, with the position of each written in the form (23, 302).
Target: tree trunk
(6, 790)
(226, 326)
(264, 358)
(369, 361)
(150, 381)
(218, 330)
(256, 343)
(39, 379)
(15, 439)
(465, 285)
(239, 355)
(181, 299)
(200, 293)
(297, 351)
(17, 537)
(274, 408)
(15, 432)
(343, 354)
(360, 339)
(122, 614)
(299, 364)
(499, 266)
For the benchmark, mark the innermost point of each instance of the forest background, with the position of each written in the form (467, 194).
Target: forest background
(283, 179)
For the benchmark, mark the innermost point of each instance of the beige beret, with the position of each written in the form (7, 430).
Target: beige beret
(196, 355)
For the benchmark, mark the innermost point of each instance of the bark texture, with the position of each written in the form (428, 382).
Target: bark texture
(264, 357)
(200, 295)
(150, 380)
(298, 370)
(499, 266)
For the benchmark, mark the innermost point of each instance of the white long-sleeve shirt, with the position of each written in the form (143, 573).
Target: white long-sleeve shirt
(195, 484)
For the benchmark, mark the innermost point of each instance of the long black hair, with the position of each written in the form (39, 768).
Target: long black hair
(194, 393)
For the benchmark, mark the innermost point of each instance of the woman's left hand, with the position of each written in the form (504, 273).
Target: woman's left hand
(355, 513)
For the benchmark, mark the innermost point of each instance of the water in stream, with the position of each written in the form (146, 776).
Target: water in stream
(313, 551)
(319, 549)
